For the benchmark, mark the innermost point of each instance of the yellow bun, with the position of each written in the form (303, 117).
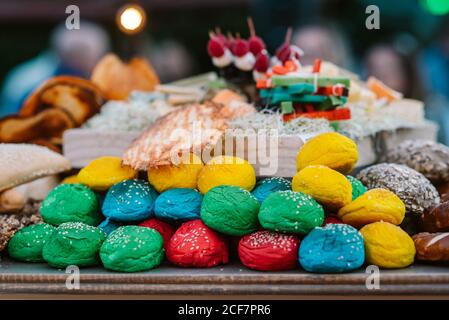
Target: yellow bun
(387, 245)
(71, 180)
(328, 149)
(373, 206)
(183, 175)
(327, 186)
(102, 173)
(226, 170)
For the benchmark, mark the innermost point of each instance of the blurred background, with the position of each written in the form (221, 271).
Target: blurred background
(410, 51)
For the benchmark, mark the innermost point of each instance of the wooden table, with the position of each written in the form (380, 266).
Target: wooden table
(234, 280)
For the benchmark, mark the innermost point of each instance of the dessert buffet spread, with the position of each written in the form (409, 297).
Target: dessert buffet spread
(146, 180)
(198, 215)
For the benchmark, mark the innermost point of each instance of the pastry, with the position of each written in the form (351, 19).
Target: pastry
(196, 245)
(129, 200)
(73, 243)
(436, 218)
(22, 163)
(374, 205)
(267, 186)
(425, 156)
(178, 205)
(132, 249)
(27, 244)
(410, 186)
(71, 203)
(226, 170)
(269, 251)
(230, 210)
(334, 248)
(117, 79)
(290, 212)
(387, 246)
(173, 135)
(102, 173)
(329, 187)
(432, 246)
(330, 149)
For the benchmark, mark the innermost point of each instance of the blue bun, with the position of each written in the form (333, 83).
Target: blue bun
(129, 200)
(334, 248)
(267, 186)
(108, 226)
(179, 204)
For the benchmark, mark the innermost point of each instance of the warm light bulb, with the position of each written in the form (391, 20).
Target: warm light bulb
(131, 18)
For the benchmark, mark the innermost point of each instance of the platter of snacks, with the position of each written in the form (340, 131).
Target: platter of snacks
(266, 177)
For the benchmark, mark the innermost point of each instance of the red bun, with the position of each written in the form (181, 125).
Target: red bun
(166, 230)
(331, 220)
(196, 245)
(269, 251)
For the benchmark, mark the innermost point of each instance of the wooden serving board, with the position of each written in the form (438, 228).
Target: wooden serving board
(83, 145)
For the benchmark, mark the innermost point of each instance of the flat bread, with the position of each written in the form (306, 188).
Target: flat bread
(191, 128)
(21, 163)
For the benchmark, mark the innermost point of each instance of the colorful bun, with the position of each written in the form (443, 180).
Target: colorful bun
(102, 173)
(129, 200)
(182, 175)
(290, 212)
(329, 149)
(230, 210)
(73, 243)
(269, 251)
(334, 248)
(178, 205)
(387, 245)
(166, 230)
(373, 206)
(267, 186)
(195, 245)
(357, 187)
(71, 203)
(27, 244)
(226, 170)
(327, 186)
(132, 249)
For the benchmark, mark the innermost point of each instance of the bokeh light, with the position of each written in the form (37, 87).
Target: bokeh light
(131, 18)
(436, 7)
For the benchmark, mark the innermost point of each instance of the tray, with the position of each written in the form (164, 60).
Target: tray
(232, 280)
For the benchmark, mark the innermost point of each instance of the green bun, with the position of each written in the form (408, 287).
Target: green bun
(230, 210)
(132, 249)
(73, 243)
(71, 203)
(357, 187)
(27, 244)
(290, 212)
